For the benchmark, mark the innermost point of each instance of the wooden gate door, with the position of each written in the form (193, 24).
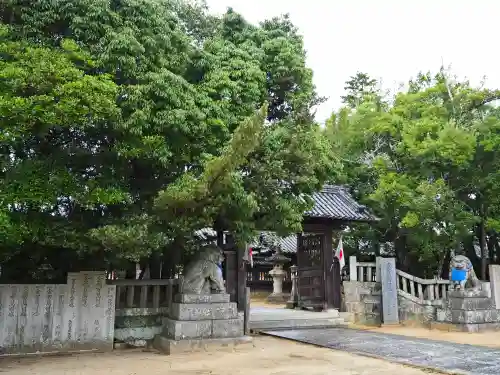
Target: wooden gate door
(311, 275)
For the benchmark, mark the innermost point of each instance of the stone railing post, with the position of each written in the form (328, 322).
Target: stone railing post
(377, 269)
(353, 268)
(293, 302)
(495, 284)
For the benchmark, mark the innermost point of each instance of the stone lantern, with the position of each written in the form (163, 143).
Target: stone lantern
(278, 274)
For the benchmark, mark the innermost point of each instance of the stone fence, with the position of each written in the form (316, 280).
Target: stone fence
(78, 315)
(141, 307)
(417, 298)
(370, 298)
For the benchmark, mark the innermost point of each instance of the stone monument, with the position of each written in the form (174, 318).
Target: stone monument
(202, 315)
(278, 274)
(390, 309)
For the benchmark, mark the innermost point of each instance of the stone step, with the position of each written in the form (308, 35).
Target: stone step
(185, 329)
(286, 324)
(203, 311)
(468, 317)
(469, 293)
(471, 303)
(168, 346)
(202, 298)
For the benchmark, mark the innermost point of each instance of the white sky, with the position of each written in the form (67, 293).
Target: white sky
(390, 40)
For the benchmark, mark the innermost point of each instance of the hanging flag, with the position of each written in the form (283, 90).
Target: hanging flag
(248, 257)
(340, 254)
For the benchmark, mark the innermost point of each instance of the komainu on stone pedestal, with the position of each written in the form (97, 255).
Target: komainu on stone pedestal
(199, 321)
(468, 306)
(202, 315)
(462, 275)
(203, 275)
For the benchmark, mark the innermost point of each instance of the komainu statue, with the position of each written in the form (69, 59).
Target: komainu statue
(462, 275)
(203, 275)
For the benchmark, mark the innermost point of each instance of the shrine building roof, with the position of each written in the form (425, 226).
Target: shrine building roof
(334, 202)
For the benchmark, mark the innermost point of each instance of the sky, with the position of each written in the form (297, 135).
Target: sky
(388, 39)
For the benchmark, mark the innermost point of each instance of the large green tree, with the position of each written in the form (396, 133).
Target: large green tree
(181, 83)
(55, 125)
(427, 164)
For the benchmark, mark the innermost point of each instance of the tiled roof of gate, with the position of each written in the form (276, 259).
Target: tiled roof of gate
(288, 244)
(332, 202)
(335, 202)
(205, 234)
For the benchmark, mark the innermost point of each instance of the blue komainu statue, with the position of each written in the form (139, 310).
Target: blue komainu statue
(462, 275)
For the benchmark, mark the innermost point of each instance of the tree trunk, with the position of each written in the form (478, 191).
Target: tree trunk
(491, 240)
(155, 266)
(144, 265)
(131, 271)
(445, 271)
(171, 258)
(495, 258)
(484, 249)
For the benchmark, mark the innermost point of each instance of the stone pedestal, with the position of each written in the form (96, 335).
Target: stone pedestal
(278, 275)
(470, 311)
(198, 321)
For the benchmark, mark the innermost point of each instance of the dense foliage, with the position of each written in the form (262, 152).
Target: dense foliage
(426, 161)
(126, 125)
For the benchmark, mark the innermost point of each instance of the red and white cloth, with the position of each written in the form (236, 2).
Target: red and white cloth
(339, 254)
(248, 257)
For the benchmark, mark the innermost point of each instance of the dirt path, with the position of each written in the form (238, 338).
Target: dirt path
(269, 356)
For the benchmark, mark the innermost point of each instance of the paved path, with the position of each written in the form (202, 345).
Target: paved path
(265, 318)
(447, 356)
(274, 313)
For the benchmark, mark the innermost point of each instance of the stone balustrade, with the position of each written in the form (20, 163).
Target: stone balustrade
(141, 307)
(424, 289)
(362, 271)
(144, 293)
(417, 298)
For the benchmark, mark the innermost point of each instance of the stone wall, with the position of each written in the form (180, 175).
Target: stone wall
(414, 311)
(363, 302)
(138, 326)
(78, 315)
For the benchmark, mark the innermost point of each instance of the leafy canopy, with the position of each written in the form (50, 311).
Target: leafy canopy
(119, 115)
(426, 162)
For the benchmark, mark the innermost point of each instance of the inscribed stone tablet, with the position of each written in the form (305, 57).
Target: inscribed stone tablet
(389, 291)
